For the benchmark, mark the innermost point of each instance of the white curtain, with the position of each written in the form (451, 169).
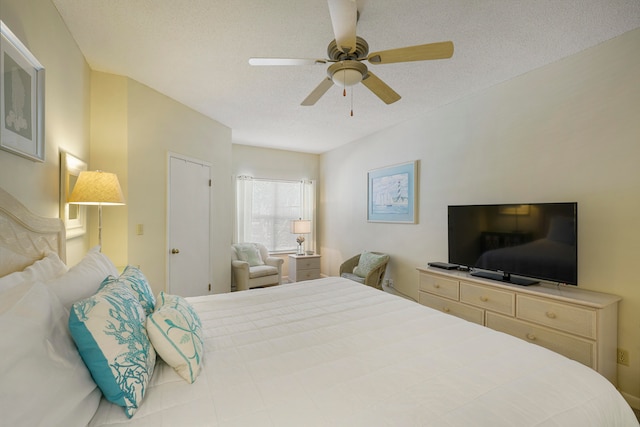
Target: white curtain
(244, 209)
(309, 212)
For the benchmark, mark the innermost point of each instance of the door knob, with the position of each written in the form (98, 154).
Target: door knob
(175, 251)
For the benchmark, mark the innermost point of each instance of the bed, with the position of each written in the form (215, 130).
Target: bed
(327, 352)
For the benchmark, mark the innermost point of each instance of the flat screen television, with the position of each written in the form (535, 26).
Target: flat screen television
(516, 243)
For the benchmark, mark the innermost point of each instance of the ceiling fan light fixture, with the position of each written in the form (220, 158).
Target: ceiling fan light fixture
(347, 73)
(347, 78)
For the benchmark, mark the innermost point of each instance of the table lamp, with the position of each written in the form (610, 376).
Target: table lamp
(300, 227)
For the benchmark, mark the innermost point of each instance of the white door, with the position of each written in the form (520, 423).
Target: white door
(188, 222)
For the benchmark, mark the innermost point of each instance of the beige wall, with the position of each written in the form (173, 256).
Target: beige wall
(114, 124)
(566, 132)
(109, 143)
(276, 164)
(67, 93)
(133, 130)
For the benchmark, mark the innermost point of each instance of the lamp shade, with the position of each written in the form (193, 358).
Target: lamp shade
(97, 188)
(301, 226)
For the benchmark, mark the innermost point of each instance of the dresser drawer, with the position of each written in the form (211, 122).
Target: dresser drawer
(578, 349)
(569, 318)
(472, 314)
(488, 298)
(308, 263)
(442, 286)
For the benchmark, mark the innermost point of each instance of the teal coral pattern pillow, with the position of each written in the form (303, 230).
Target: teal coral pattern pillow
(175, 330)
(250, 253)
(367, 263)
(109, 331)
(137, 282)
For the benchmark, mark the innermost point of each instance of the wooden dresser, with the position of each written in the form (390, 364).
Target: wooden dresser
(580, 324)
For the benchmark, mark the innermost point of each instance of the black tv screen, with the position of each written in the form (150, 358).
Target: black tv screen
(535, 240)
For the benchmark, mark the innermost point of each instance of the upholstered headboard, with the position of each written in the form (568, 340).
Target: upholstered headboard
(26, 237)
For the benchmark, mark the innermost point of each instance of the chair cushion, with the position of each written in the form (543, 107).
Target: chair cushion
(261, 271)
(353, 277)
(368, 262)
(250, 253)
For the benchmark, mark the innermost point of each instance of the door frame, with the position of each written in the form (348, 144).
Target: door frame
(170, 155)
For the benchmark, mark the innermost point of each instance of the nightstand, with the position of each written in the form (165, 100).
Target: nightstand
(304, 267)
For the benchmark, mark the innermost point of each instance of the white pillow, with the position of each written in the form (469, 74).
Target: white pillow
(108, 329)
(43, 379)
(83, 279)
(47, 268)
(175, 331)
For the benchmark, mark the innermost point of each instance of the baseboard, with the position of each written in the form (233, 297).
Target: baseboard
(633, 401)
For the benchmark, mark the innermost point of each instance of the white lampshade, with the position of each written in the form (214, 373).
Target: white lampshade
(301, 226)
(97, 188)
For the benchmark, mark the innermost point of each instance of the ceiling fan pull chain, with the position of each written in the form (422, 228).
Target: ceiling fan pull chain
(344, 79)
(352, 101)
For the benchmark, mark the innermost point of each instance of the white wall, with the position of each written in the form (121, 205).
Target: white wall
(566, 132)
(39, 27)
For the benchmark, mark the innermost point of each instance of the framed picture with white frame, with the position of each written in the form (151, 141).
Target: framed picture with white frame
(22, 100)
(392, 194)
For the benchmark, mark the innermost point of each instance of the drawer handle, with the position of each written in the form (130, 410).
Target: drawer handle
(436, 286)
(484, 299)
(531, 337)
(551, 315)
(446, 309)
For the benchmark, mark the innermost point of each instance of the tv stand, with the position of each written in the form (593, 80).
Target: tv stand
(580, 324)
(504, 277)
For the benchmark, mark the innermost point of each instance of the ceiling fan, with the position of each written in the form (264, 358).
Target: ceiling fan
(348, 51)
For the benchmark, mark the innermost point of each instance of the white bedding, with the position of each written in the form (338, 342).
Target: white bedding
(332, 352)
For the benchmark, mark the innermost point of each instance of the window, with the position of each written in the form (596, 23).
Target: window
(266, 207)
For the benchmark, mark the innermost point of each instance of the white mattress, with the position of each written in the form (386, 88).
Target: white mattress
(332, 352)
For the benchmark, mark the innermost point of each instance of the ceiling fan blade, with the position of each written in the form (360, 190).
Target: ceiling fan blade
(423, 52)
(380, 88)
(286, 61)
(317, 93)
(344, 16)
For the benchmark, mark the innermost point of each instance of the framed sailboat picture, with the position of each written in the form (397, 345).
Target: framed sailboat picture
(392, 194)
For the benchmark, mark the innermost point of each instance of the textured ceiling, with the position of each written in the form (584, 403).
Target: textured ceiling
(197, 51)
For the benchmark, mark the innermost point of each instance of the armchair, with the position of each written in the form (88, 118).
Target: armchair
(253, 267)
(367, 268)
